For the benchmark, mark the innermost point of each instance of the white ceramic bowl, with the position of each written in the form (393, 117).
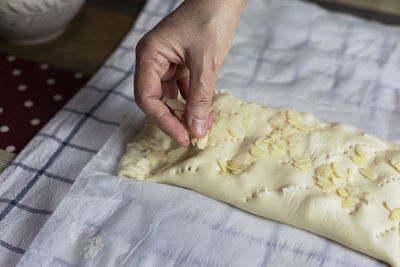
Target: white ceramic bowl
(35, 21)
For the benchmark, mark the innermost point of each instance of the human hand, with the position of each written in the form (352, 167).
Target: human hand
(184, 52)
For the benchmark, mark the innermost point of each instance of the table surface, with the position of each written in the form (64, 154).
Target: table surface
(91, 37)
(88, 41)
(385, 6)
(96, 31)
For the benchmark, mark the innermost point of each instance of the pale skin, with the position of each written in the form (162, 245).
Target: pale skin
(185, 52)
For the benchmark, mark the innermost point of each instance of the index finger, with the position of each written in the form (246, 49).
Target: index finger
(148, 92)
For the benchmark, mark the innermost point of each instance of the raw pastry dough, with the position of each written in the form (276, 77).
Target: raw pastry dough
(330, 179)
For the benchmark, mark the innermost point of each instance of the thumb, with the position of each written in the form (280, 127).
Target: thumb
(201, 87)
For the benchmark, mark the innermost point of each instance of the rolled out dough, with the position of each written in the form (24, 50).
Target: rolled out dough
(329, 179)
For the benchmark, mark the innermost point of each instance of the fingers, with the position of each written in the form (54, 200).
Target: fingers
(148, 92)
(168, 123)
(203, 75)
(183, 85)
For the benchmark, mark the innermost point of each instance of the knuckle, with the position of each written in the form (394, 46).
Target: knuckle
(145, 42)
(202, 99)
(146, 45)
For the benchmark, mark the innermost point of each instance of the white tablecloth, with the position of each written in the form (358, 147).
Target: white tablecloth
(285, 53)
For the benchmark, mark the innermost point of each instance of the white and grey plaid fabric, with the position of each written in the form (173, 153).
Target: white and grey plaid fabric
(35, 183)
(332, 64)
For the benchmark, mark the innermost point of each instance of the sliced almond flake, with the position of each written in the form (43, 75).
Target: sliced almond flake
(281, 144)
(240, 161)
(180, 98)
(200, 143)
(234, 170)
(324, 170)
(360, 151)
(288, 131)
(143, 163)
(342, 192)
(175, 104)
(261, 144)
(305, 128)
(395, 215)
(275, 136)
(275, 151)
(187, 136)
(280, 128)
(258, 153)
(303, 167)
(293, 114)
(247, 121)
(139, 171)
(156, 156)
(276, 121)
(176, 153)
(140, 176)
(302, 159)
(295, 145)
(297, 138)
(269, 141)
(268, 128)
(395, 163)
(326, 186)
(136, 145)
(339, 170)
(358, 160)
(302, 162)
(294, 122)
(368, 173)
(352, 190)
(243, 157)
(233, 133)
(264, 141)
(221, 165)
(350, 174)
(179, 115)
(323, 179)
(350, 202)
(295, 151)
(337, 182)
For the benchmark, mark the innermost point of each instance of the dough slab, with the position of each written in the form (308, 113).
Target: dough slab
(329, 179)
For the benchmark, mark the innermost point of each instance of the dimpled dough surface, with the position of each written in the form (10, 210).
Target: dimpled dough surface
(330, 179)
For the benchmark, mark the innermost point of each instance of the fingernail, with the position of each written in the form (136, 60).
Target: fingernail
(199, 127)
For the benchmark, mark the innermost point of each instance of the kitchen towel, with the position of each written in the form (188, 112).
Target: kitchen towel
(285, 53)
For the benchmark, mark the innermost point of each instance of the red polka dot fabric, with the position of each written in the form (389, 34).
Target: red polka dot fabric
(31, 93)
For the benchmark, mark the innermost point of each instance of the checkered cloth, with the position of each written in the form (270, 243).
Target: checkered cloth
(284, 53)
